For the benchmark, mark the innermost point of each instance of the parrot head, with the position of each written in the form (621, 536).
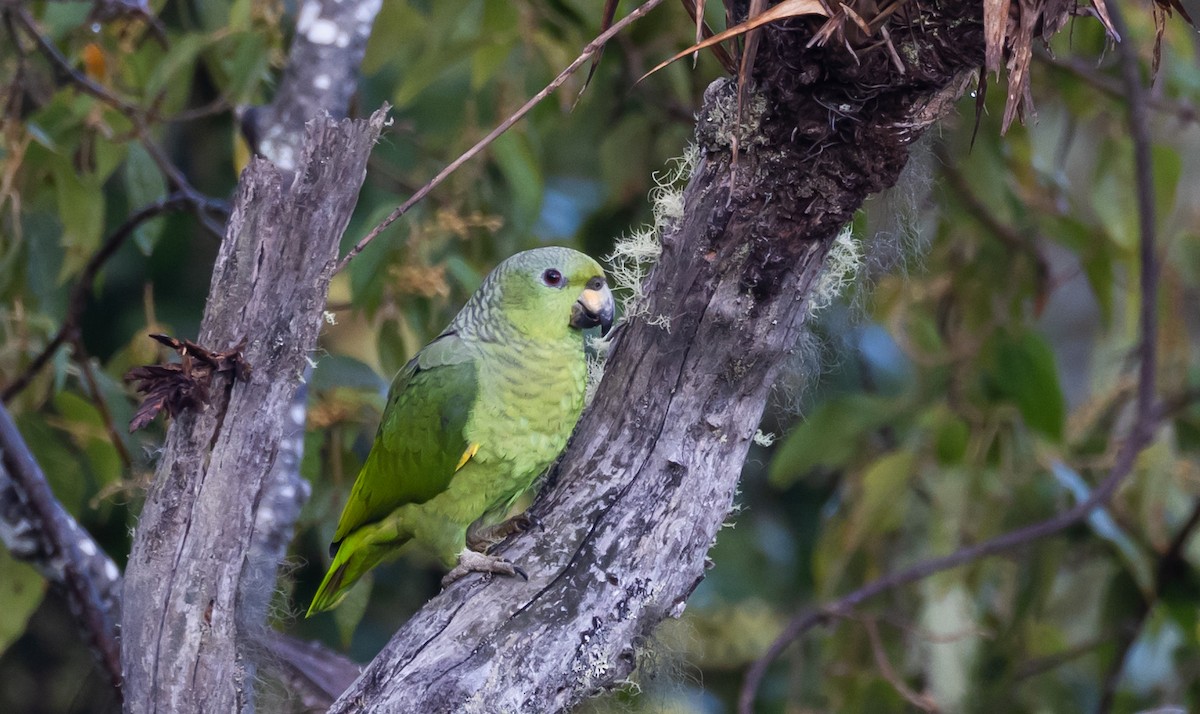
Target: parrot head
(548, 292)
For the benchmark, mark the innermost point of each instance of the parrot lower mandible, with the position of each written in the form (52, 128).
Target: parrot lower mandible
(473, 420)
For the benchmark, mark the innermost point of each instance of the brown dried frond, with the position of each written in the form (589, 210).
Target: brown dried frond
(185, 385)
(785, 9)
(695, 10)
(461, 225)
(1163, 10)
(1009, 31)
(424, 280)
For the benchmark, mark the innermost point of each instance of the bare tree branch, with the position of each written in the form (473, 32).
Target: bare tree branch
(1139, 132)
(191, 604)
(35, 528)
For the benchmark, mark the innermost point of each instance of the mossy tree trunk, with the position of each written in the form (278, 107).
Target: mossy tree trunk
(650, 475)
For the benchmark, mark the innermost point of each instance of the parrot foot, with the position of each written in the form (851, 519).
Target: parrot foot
(483, 538)
(470, 561)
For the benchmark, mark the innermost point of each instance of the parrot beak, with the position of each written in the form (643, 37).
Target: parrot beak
(594, 307)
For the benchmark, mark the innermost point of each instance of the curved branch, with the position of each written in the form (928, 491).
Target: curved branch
(37, 529)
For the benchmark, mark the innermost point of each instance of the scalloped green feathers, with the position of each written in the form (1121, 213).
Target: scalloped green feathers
(475, 417)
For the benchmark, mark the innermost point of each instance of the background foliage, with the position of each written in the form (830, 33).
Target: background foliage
(975, 377)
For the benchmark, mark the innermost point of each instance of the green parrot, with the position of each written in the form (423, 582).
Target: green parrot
(472, 421)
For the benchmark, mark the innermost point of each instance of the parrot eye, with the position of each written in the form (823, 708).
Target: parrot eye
(553, 278)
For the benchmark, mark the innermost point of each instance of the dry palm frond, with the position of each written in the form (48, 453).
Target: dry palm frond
(785, 9)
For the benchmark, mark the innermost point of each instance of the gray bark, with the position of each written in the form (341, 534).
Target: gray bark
(38, 530)
(194, 596)
(651, 472)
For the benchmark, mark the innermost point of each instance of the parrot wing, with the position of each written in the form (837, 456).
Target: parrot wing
(420, 443)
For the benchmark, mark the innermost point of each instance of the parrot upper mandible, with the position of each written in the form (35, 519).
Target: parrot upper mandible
(473, 419)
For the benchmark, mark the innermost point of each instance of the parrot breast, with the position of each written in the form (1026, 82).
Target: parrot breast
(530, 397)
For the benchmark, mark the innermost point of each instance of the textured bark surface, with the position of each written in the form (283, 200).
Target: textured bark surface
(651, 472)
(194, 594)
(38, 530)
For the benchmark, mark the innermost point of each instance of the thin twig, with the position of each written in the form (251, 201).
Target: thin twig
(83, 286)
(1139, 132)
(84, 360)
(593, 47)
(1146, 417)
(1041, 665)
(920, 701)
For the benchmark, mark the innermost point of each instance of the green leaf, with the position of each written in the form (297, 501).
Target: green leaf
(1168, 165)
(82, 420)
(144, 185)
(81, 210)
(391, 36)
(1187, 432)
(831, 436)
(21, 591)
(517, 161)
(244, 60)
(881, 505)
(487, 61)
(108, 155)
(1025, 373)
(1096, 253)
(950, 439)
(179, 63)
(57, 460)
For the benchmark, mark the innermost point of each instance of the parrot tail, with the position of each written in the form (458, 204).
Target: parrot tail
(352, 558)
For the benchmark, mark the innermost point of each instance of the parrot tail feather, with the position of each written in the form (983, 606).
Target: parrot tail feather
(353, 556)
(331, 591)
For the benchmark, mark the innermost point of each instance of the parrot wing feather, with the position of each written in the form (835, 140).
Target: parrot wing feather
(420, 443)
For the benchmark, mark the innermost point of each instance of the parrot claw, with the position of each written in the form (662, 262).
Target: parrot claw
(481, 539)
(470, 561)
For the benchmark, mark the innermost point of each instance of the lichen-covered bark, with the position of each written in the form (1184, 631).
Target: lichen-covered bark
(652, 469)
(193, 593)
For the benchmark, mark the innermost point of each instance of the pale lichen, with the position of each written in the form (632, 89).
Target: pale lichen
(764, 438)
(635, 254)
(841, 269)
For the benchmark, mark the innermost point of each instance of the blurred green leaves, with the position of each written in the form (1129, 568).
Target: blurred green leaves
(21, 590)
(1025, 373)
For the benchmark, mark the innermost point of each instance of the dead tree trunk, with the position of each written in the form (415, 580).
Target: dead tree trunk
(651, 472)
(194, 595)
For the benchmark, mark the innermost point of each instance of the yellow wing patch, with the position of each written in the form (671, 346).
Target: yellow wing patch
(466, 456)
